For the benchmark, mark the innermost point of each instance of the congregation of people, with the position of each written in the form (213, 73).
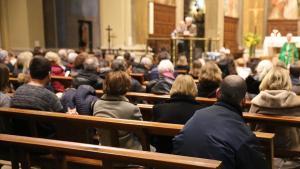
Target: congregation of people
(213, 132)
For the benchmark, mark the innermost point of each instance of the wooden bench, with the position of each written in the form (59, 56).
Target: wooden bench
(156, 97)
(79, 133)
(66, 81)
(108, 155)
(288, 121)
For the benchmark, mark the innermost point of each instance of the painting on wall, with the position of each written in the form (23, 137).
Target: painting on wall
(283, 9)
(231, 8)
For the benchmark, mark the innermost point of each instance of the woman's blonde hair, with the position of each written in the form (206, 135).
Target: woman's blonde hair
(210, 72)
(24, 60)
(53, 58)
(184, 85)
(277, 78)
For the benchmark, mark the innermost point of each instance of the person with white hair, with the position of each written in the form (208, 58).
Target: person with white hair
(289, 52)
(71, 59)
(63, 54)
(166, 78)
(191, 29)
(253, 81)
(143, 67)
(89, 75)
(3, 56)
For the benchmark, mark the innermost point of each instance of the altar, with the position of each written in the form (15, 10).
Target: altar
(273, 43)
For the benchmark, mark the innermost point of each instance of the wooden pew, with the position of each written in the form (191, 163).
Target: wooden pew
(108, 155)
(288, 121)
(66, 81)
(142, 129)
(156, 97)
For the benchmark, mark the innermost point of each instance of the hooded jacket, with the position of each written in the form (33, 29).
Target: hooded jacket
(282, 103)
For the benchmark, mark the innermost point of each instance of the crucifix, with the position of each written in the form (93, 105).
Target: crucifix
(109, 29)
(256, 11)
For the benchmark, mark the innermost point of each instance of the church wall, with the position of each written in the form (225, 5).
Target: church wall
(21, 25)
(117, 14)
(36, 23)
(139, 21)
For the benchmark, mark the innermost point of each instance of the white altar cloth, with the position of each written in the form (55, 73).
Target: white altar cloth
(277, 42)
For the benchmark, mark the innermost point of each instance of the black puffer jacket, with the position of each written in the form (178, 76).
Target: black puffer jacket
(88, 78)
(82, 99)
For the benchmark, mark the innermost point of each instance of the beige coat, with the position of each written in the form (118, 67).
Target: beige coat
(278, 102)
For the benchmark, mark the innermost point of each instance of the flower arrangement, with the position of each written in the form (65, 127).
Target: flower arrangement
(251, 40)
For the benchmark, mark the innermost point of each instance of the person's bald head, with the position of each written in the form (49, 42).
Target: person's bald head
(232, 90)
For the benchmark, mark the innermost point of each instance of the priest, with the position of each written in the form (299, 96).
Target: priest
(289, 52)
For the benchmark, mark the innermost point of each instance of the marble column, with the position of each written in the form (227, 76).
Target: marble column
(214, 20)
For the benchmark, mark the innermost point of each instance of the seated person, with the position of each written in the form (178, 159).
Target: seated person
(120, 65)
(219, 132)
(34, 95)
(21, 70)
(4, 99)
(154, 74)
(114, 104)
(227, 67)
(144, 67)
(78, 64)
(210, 78)
(56, 70)
(196, 69)
(253, 81)
(182, 65)
(177, 110)
(4, 85)
(89, 75)
(166, 78)
(295, 77)
(276, 98)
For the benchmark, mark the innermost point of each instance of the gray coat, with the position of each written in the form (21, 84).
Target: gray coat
(283, 103)
(118, 107)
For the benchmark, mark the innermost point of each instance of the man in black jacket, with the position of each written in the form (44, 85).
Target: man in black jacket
(219, 131)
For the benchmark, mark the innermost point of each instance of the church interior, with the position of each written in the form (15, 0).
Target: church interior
(204, 84)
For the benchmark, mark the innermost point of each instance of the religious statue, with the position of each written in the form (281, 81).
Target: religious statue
(289, 52)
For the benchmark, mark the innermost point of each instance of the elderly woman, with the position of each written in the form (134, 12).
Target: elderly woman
(210, 78)
(253, 81)
(178, 109)
(165, 81)
(276, 98)
(114, 104)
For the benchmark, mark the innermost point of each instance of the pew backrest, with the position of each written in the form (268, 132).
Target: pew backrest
(142, 129)
(108, 155)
